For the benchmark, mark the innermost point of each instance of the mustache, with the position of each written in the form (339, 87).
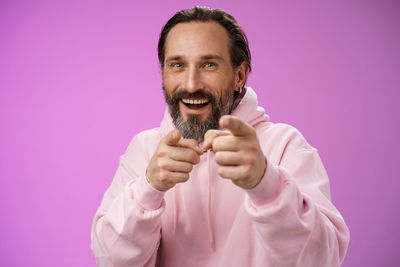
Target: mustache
(201, 94)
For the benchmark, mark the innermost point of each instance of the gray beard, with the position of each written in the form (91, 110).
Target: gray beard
(193, 128)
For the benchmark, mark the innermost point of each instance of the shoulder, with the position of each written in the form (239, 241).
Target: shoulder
(286, 133)
(145, 141)
(280, 140)
(148, 135)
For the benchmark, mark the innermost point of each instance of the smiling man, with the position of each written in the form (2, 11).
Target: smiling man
(217, 184)
(199, 81)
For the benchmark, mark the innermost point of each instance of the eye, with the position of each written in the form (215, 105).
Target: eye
(176, 65)
(210, 65)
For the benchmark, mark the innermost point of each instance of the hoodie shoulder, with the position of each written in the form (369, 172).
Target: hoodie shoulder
(146, 140)
(280, 141)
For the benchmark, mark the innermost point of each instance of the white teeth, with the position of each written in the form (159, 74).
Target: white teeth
(194, 101)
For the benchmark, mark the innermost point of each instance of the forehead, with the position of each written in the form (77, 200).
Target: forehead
(193, 39)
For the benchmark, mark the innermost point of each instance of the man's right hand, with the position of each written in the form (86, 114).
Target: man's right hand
(173, 160)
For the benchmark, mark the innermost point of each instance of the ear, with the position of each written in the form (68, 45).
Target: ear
(241, 73)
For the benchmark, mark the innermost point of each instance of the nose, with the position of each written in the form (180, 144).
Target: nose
(193, 80)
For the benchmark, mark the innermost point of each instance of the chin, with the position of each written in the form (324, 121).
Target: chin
(199, 118)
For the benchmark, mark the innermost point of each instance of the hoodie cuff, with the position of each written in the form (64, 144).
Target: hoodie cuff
(269, 187)
(147, 196)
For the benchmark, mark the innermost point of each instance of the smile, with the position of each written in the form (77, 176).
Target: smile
(195, 103)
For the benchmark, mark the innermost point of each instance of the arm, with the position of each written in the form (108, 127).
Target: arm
(287, 193)
(126, 227)
(293, 216)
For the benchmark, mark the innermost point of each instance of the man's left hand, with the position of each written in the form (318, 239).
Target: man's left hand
(237, 152)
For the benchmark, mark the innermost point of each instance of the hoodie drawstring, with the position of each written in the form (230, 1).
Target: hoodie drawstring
(175, 214)
(209, 222)
(211, 232)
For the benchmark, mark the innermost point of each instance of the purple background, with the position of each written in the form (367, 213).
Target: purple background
(79, 79)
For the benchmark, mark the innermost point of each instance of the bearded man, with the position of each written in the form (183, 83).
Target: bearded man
(217, 184)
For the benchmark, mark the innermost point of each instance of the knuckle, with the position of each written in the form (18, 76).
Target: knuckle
(239, 127)
(247, 169)
(189, 168)
(253, 148)
(185, 176)
(216, 144)
(250, 159)
(193, 157)
(160, 153)
(221, 172)
(252, 131)
(218, 157)
(162, 164)
(164, 177)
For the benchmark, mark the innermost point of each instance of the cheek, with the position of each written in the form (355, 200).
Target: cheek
(166, 81)
(216, 87)
(225, 89)
(168, 87)
(171, 82)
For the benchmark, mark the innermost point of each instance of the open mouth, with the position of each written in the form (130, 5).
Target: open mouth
(195, 103)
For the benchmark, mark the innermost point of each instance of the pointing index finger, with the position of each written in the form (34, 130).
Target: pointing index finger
(236, 126)
(172, 138)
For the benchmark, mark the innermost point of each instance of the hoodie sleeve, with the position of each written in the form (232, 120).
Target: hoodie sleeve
(292, 214)
(126, 227)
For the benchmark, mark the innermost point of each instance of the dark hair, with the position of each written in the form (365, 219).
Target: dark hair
(239, 47)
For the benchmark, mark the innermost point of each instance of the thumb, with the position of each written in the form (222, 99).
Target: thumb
(210, 136)
(172, 138)
(192, 144)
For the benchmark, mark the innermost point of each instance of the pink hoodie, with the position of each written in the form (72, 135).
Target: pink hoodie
(286, 220)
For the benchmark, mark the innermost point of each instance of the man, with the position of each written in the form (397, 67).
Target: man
(216, 184)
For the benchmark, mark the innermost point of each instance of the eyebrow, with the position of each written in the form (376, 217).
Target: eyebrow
(212, 57)
(205, 57)
(173, 58)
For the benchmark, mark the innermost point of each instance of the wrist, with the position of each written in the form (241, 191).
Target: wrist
(269, 187)
(146, 195)
(259, 177)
